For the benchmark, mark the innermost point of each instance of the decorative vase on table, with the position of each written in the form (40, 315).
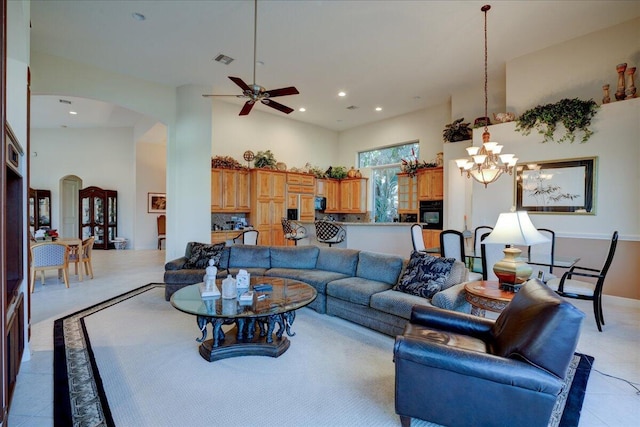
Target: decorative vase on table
(620, 68)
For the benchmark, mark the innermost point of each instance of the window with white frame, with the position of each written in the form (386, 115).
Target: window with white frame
(385, 165)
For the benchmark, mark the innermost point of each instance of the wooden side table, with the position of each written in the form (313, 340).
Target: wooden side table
(486, 295)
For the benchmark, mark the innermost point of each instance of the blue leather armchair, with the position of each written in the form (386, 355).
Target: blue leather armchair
(456, 369)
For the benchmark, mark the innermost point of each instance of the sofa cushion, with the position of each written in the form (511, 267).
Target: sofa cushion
(357, 290)
(396, 303)
(294, 257)
(246, 256)
(201, 253)
(538, 326)
(458, 274)
(184, 276)
(425, 275)
(339, 260)
(316, 278)
(380, 267)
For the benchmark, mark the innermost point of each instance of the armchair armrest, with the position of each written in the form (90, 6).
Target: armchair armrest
(176, 264)
(460, 323)
(484, 366)
(573, 272)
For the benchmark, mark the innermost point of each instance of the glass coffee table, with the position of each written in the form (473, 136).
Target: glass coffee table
(254, 332)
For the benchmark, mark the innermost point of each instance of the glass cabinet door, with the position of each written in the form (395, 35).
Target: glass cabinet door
(44, 211)
(111, 201)
(98, 208)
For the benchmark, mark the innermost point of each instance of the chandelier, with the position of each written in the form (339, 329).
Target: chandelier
(487, 163)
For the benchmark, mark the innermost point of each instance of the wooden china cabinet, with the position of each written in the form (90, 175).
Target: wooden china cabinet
(39, 209)
(99, 216)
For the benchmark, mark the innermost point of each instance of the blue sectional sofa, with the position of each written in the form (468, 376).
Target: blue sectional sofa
(351, 284)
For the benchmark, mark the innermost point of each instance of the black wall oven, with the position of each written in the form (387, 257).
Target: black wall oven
(431, 214)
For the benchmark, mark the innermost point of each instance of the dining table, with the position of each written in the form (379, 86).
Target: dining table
(474, 261)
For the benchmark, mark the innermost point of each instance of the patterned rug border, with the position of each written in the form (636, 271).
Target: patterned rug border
(80, 400)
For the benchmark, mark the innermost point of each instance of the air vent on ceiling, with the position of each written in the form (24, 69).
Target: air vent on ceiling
(226, 60)
(64, 101)
(352, 107)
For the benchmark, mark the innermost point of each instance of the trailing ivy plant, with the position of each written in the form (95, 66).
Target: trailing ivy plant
(575, 114)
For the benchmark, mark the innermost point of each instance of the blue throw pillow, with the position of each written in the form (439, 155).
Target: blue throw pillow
(201, 253)
(425, 275)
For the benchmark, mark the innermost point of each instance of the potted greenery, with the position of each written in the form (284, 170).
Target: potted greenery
(575, 114)
(265, 159)
(457, 131)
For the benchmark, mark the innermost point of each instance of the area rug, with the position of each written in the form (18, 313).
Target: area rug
(133, 361)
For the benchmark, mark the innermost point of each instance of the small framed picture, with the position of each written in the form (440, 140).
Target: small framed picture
(541, 276)
(157, 203)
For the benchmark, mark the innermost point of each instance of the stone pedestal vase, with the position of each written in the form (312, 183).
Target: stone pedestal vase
(620, 68)
(631, 87)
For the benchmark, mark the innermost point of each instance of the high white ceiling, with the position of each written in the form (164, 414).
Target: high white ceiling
(399, 55)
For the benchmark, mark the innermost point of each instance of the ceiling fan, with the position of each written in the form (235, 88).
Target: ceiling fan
(256, 92)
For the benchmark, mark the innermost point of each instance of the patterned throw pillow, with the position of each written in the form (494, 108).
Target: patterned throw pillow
(425, 275)
(201, 253)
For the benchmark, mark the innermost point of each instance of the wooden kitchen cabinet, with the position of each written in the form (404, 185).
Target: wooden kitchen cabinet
(230, 190)
(407, 194)
(353, 195)
(268, 204)
(430, 184)
(431, 238)
(329, 189)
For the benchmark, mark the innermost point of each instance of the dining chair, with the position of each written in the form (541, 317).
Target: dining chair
(452, 246)
(543, 252)
(477, 236)
(161, 223)
(87, 249)
(569, 287)
(416, 238)
(329, 232)
(491, 253)
(49, 256)
(293, 230)
(247, 237)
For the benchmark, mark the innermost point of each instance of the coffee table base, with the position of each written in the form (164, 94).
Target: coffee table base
(232, 347)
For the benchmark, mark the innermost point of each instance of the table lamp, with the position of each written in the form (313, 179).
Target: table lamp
(514, 228)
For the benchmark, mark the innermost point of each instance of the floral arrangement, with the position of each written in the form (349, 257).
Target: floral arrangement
(226, 162)
(412, 165)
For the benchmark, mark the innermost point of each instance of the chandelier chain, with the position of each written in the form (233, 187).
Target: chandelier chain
(486, 73)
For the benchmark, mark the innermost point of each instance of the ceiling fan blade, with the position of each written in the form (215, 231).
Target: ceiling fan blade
(283, 92)
(212, 95)
(240, 82)
(277, 106)
(247, 108)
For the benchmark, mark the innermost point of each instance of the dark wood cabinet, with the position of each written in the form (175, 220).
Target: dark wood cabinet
(39, 209)
(99, 216)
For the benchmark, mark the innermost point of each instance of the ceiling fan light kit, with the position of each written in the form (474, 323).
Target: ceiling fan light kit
(255, 92)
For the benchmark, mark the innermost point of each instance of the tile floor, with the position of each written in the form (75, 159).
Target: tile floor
(608, 402)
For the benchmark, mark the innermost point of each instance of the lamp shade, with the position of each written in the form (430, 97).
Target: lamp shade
(515, 228)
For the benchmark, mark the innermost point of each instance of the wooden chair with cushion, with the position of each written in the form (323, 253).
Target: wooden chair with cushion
(162, 229)
(49, 256)
(569, 287)
(248, 237)
(416, 238)
(87, 249)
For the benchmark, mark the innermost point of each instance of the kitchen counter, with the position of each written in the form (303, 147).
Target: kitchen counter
(383, 237)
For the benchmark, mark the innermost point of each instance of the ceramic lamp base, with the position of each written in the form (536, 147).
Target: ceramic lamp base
(511, 271)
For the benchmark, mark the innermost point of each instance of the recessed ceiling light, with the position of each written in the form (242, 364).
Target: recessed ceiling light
(378, 108)
(138, 16)
(302, 109)
(342, 94)
(73, 113)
